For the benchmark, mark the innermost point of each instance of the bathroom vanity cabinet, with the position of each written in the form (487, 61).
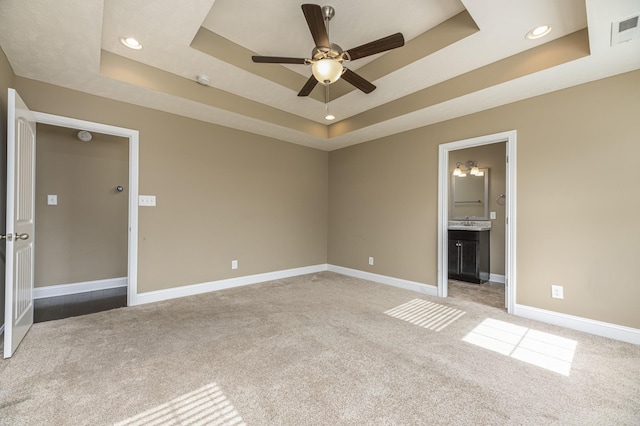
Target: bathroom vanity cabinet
(469, 255)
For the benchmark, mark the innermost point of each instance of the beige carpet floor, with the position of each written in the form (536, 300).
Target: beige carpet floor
(321, 349)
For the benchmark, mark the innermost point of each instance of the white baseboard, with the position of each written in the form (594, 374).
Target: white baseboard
(427, 289)
(82, 287)
(599, 328)
(496, 278)
(194, 289)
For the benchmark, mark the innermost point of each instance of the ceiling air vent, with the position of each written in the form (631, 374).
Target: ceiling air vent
(624, 31)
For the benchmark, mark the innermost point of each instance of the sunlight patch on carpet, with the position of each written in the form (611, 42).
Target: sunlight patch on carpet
(426, 314)
(543, 350)
(205, 406)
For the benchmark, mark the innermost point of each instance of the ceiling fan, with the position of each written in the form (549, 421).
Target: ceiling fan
(327, 59)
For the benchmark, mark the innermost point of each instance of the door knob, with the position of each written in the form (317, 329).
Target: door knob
(9, 237)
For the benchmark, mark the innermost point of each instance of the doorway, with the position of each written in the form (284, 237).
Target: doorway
(81, 221)
(132, 137)
(450, 150)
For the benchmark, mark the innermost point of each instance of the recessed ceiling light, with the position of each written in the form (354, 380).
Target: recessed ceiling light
(131, 43)
(330, 117)
(538, 32)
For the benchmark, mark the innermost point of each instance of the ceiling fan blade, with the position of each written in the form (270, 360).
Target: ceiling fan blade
(359, 82)
(382, 45)
(308, 86)
(315, 19)
(277, 60)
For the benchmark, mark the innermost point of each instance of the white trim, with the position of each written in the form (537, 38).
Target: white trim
(194, 289)
(134, 142)
(495, 278)
(80, 287)
(443, 209)
(427, 289)
(599, 328)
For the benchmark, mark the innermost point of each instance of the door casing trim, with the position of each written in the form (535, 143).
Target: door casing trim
(134, 142)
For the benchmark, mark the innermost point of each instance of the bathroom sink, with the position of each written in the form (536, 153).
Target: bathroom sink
(469, 225)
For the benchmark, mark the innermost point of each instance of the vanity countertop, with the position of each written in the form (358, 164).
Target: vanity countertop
(469, 225)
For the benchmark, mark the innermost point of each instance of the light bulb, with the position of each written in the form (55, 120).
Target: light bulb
(327, 71)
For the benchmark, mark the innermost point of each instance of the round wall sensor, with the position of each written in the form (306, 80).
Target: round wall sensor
(84, 136)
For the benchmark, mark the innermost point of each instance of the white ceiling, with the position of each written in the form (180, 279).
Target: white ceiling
(60, 42)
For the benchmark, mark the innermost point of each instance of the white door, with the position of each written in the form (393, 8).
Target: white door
(21, 156)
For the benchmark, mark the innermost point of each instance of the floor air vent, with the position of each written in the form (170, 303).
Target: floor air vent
(624, 31)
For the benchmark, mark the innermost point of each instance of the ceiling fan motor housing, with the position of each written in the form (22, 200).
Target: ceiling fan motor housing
(321, 52)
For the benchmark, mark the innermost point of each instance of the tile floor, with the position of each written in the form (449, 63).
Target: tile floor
(488, 293)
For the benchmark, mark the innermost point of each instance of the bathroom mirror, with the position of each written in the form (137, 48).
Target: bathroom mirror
(469, 197)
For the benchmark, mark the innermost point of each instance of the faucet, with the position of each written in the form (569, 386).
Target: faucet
(467, 221)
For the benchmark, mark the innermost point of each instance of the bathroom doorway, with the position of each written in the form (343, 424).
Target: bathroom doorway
(480, 199)
(496, 154)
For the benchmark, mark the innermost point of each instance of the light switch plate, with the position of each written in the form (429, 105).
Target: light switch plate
(234, 264)
(147, 200)
(52, 200)
(492, 215)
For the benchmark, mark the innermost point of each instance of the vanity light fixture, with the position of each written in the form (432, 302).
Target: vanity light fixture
(470, 166)
(131, 43)
(538, 32)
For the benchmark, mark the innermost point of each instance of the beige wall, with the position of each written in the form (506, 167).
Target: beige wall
(574, 179)
(84, 236)
(222, 194)
(6, 81)
(225, 194)
(492, 156)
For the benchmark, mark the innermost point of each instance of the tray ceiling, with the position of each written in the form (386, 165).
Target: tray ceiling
(460, 57)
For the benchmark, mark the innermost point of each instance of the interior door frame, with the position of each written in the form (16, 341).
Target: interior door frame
(133, 137)
(510, 221)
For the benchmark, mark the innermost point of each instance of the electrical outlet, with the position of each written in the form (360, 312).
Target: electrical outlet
(370, 260)
(557, 292)
(234, 264)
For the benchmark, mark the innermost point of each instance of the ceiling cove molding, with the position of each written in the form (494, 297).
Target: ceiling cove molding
(141, 75)
(557, 52)
(548, 55)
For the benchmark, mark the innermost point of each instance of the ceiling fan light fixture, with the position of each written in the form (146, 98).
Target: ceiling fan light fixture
(327, 70)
